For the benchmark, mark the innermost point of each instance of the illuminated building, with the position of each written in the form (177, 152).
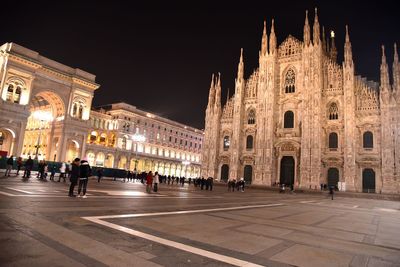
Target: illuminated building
(45, 112)
(303, 119)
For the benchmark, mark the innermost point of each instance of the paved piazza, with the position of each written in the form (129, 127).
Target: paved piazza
(120, 225)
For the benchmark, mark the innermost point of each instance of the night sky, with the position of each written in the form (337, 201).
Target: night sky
(160, 56)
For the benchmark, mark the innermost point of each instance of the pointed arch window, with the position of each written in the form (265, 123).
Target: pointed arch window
(333, 112)
(288, 120)
(333, 141)
(290, 81)
(368, 140)
(226, 142)
(251, 118)
(249, 142)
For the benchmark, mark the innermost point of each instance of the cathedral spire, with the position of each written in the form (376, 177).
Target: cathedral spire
(211, 94)
(240, 73)
(272, 39)
(333, 52)
(306, 35)
(396, 70)
(348, 54)
(218, 91)
(324, 40)
(227, 97)
(264, 40)
(316, 30)
(385, 84)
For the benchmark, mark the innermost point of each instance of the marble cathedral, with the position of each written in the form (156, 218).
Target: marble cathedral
(302, 119)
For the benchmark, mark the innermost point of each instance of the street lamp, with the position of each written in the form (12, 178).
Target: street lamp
(137, 138)
(42, 116)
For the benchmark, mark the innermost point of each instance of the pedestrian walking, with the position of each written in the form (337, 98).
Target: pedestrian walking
(62, 172)
(10, 163)
(19, 164)
(84, 174)
(52, 172)
(156, 181)
(149, 182)
(210, 183)
(28, 168)
(74, 176)
(99, 174)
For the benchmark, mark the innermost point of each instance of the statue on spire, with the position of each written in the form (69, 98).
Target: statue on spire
(306, 35)
(264, 40)
(316, 33)
(272, 39)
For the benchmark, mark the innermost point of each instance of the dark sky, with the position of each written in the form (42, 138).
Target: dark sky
(160, 56)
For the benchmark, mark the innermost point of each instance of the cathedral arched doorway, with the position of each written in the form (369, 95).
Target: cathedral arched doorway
(333, 177)
(224, 172)
(368, 181)
(248, 174)
(287, 170)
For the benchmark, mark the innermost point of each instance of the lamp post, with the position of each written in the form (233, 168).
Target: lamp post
(137, 138)
(42, 116)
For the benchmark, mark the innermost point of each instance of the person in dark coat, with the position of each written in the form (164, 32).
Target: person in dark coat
(210, 181)
(99, 174)
(10, 163)
(84, 172)
(28, 168)
(74, 176)
(202, 183)
(19, 164)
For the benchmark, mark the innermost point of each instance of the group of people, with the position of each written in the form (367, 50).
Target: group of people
(80, 171)
(238, 185)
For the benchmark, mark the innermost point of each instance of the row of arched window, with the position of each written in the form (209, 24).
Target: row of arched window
(368, 140)
(14, 93)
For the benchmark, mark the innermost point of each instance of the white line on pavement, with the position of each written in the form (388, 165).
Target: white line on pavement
(7, 194)
(19, 190)
(181, 246)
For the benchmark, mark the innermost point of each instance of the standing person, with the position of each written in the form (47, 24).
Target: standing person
(84, 173)
(99, 174)
(10, 163)
(241, 186)
(62, 172)
(28, 168)
(19, 164)
(210, 182)
(68, 169)
(52, 172)
(202, 182)
(74, 175)
(149, 182)
(156, 181)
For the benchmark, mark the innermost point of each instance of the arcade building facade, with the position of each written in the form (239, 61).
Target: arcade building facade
(46, 112)
(303, 119)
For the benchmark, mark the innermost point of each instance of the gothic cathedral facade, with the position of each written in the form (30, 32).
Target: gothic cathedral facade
(302, 119)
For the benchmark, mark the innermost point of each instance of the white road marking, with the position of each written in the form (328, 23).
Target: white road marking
(308, 201)
(355, 206)
(181, 246)
(19, 190)
(7, 194)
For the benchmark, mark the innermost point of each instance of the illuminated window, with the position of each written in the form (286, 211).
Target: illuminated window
(93, 136)
(13, 93)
